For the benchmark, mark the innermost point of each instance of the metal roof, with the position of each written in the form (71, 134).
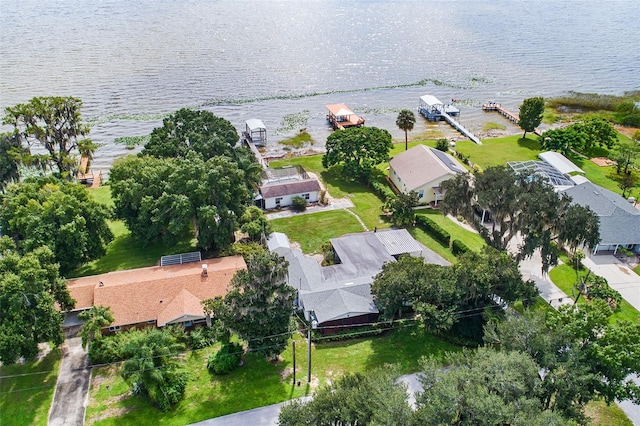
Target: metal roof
(398, 241)
(560, 162)
(430, 100)
(255, 124)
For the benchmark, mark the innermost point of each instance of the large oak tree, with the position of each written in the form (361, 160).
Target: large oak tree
(530, 115)
(58, 214)
(55, 124)
(358, 149)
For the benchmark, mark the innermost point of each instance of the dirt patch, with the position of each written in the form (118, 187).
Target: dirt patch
(625, 270)
(286, 373)
(627, 131)
(602, 161)
(108, 413)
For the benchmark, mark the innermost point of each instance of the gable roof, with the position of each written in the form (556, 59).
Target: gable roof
(289, 188)
(350, 301)
(421, 165)
(158, 293)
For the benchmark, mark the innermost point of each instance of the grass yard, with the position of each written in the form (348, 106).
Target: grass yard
(610, 415)
(473, 240)
(564, 276)
(432, 243)
(496, 152)
(25, 399)
(258, 382)
(315, 229)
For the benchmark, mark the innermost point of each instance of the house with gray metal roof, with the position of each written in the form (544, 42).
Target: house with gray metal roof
(339, 296)
(423, 169)
(619, 219)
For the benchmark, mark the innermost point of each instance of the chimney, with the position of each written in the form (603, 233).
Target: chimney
(204, 269)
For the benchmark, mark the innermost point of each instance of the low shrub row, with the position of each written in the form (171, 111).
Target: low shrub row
(433, 229)
(381, 189)
(459, 248)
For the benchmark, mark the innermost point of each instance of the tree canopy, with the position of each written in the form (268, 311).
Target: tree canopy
(55, 124)
(164, 199)
(581, 354)
(11, 156)
(57, 214)
(405, 121)
(581, 136)
(95, 319)
(29, 288)
(524, 204)
(260, 303)
(401, 208)
(188, 131)
(358, 149)
(530, 115)
(626, 154)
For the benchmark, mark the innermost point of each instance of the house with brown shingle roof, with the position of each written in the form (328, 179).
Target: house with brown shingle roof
(158, 295)
(423, 169)
(279, 186)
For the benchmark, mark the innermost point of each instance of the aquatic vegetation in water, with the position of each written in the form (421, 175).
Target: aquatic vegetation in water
(299, 140)
(291, 122)
(490, 125)
(132, 141)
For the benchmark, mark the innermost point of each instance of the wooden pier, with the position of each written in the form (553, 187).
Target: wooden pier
(257, 153)
(432, 109)
(515, 119)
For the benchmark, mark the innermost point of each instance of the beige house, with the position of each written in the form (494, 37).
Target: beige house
(423, 169)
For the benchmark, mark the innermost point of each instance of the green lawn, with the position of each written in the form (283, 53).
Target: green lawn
(315, 229)
(473, 240)
(259, 382)
(25, 400)
(496, 152)
(564, 276)
(607, 415)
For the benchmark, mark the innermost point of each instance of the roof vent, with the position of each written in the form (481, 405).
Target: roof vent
(204, 269)
(100, 284)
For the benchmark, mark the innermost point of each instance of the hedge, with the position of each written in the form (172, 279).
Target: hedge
(435, 230)
(458, 247)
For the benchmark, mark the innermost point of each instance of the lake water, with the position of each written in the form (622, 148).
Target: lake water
(131, 62)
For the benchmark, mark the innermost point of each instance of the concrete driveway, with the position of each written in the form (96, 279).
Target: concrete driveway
(619, 276)
(72, 387)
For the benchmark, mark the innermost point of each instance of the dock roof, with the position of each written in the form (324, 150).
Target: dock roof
(255, 124)
(430, 100)
(339, 110)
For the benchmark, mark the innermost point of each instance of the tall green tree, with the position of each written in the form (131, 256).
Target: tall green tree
(562, 140)
(95, 319)
(358, 149)
(57, 214)
(524, 204)
(530, 115)
(581, 354)
(153, 370)
(165, 199)
(482, 387)
(401, 208)
(55, 124)
(375, 398)
(260, 304)
(255, 223)
(11, 156)
(596, 131)
(405, 121)
(626, 154)
(30, 286)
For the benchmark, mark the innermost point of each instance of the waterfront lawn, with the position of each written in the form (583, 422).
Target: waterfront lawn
(259, 382)
(472, 240)
(25, 400)
(315, 229)
(432, 243)
(496, 152)
(564, 276)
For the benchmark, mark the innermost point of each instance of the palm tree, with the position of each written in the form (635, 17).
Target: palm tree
(405, 121)
(96, 319)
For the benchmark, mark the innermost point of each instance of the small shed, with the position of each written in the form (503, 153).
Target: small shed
(255, 132)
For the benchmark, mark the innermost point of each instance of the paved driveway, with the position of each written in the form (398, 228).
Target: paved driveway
(619, 276)
(69, 399)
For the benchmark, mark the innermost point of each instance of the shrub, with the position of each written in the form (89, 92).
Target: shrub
(226, 359)
(433, 229)
(201, 337)
(299, 204)
(458, 247)
(442, 144)
(381, 189)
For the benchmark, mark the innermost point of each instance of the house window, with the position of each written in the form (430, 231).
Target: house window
(421, 193)
(187, 323)
(306, 196)
(199, 320)
(114, 328)
(278, 200)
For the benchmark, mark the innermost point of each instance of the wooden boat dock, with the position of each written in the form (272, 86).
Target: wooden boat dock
(433, 110)
(341, 117)
(515, 119)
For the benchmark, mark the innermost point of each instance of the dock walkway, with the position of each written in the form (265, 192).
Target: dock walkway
(515, 119)
(257, 153)
(459, 127)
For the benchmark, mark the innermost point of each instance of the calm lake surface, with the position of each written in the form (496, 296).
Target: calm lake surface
(132, 62)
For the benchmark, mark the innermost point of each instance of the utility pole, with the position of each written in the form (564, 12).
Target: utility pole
(309, 350)
(294, 362)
